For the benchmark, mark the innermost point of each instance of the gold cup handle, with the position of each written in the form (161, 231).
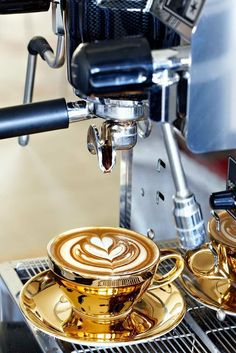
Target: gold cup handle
(173, 274)
(206, 266)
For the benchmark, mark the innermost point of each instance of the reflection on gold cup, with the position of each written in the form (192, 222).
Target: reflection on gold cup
(222, 246)
(105, 271)
(223, 240)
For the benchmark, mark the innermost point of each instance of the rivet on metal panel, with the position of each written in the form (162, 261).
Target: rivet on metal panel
(151, 233)
(142, 192)
(159, 196)
(160, 165)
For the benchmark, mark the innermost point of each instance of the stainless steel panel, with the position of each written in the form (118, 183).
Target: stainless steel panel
(150, 181)
(212, 96)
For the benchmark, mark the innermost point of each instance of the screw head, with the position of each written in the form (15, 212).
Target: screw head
(151, 233)
(221, 315)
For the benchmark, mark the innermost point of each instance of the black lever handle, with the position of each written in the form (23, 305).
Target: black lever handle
(112, 66)
(33, 118)
(223, 200)
(23, 6)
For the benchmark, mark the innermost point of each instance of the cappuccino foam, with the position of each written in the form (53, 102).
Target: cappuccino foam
(103, 251)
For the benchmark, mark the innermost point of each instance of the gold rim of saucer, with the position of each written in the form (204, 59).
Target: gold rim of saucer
(217, 293)
(44, 305)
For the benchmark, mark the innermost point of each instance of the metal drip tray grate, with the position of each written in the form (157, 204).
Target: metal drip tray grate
(221, 333)
(199, 332)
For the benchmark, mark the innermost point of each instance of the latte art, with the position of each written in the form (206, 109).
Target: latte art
(103, 252)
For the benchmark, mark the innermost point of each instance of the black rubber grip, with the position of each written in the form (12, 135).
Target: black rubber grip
(23, 6)
(39, 45)
(112, 66)
(33, 118)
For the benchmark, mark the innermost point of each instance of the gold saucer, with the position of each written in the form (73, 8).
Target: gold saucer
(216, 291)
(45, 306)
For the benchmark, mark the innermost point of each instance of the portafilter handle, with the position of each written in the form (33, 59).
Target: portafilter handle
(38, 117)
(23, 6)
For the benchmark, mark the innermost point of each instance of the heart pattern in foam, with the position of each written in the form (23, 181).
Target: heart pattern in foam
(107, 253)
(105, 248)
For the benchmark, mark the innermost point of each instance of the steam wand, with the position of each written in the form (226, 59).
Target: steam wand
(187, 212)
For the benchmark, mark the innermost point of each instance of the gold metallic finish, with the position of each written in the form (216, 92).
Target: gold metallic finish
(106, 302)
(218, 257)
(44, 304)
(226, 233)
(104, 271)
(174, 273)
(216, 291)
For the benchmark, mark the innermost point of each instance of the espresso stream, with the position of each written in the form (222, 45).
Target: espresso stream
(101, 251)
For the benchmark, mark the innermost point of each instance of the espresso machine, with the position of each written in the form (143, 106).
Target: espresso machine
(157, 72)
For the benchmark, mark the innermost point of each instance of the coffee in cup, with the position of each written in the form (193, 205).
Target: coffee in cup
(104, 271)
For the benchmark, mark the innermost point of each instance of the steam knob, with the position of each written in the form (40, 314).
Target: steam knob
(223, 200)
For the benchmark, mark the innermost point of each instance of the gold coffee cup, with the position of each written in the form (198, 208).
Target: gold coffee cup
(218, 257)
(104, 271)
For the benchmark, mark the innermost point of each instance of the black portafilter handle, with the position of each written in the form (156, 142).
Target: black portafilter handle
(8, 7)
(223, 200)
(33, 118)
(112, 66)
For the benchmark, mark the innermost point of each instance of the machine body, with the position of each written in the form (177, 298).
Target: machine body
(155, 72)
(125, 66)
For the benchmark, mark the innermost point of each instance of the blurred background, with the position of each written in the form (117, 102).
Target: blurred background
(53, 184)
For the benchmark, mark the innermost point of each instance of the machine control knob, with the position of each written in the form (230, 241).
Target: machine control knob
(223, 200)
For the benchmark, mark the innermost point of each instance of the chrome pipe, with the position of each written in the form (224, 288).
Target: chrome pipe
(28, 91)
(57, 60)
(177, 171)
